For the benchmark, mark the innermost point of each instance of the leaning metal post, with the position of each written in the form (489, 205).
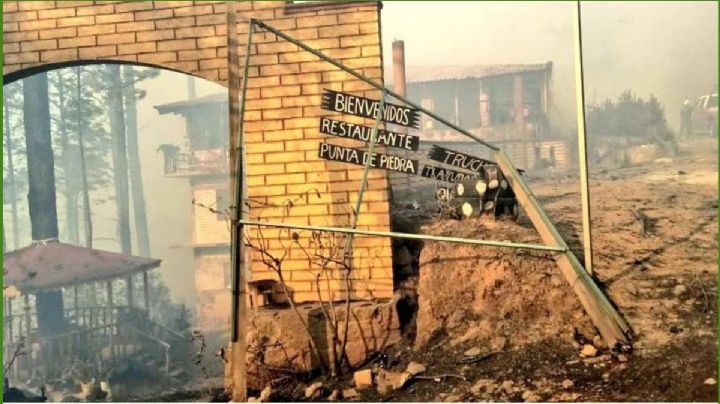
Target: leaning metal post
(237, 254)
(608, 321)
(363, 183)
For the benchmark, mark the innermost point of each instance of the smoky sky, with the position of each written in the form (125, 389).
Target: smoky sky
(668, 49)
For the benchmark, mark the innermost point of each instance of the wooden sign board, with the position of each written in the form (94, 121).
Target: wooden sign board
(359, 157)
(368, 108)
(362, 133)
(458, 159)
(445, 174)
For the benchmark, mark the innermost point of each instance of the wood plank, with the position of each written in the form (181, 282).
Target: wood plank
(608, 321)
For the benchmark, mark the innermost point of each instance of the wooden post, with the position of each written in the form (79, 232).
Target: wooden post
(109, 318)
(608, 321)
(129, 290)
(519, 112)
(239, 306)
(75, 305)
(146, 292)
(28, 330)
(582, 142)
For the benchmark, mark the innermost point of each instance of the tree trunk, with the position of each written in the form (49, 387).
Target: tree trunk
(87, 214)
(68, 161)
(41, 184)
(40, 160)
(119, 156)
(11, 177)
(138, 195)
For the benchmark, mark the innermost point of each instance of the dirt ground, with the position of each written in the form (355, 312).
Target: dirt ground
(526, 327)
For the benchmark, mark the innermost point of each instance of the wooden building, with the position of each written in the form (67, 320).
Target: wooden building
(504, 104)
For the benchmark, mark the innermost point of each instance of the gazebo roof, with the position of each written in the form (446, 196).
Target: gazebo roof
(52, 264)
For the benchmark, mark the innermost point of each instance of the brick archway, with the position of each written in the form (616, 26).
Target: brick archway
(282, 106)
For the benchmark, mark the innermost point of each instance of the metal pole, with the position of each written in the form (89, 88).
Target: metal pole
(489, 243)
(363, 183)
(239, 305)
(372, 83)
(582, 142)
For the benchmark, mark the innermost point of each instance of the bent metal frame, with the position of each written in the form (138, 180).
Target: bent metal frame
(613, 328)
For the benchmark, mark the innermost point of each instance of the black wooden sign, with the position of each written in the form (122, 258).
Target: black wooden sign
(368, 108)
(445, 174)
(458, 159)
(359, 132)
(360, 157)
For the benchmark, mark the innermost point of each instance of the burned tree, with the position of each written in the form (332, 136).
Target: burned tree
(119, 154)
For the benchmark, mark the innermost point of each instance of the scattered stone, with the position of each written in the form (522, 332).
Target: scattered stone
(313, 390)
(349, 394)
(598, 342)
(507, 385)
(663, 160)
(473, 352)
(599, 359)
(334, 395)
(363, 379)
(530, 396)
(710, 381)
(679, 290)
(415, 368)
(588, 351)
(498, 343)
(567, 383)
(265, 394)
(454, 398)
(483, 385)
(623, 358)
(389, 381)
(572, 362)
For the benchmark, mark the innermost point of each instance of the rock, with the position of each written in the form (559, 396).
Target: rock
(473, 352)
(498, 343)
(313, 390)
(598, 342)
(623, 358)
(588, 351)
(567, 383)
(530, 396)
(679, 290)
(599, 359)
(415, 368)
(265, 394)
(483, 385)
(663, 160)
(710, 381)
(349, 394)
(389, 381)
(363, 379)
(572, 362)
(507, 385)
(454, 398)
(334, 395)
(253, 399)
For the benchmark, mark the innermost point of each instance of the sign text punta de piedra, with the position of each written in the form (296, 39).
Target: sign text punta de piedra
(362, 133)
(368, 108)
(349, 155)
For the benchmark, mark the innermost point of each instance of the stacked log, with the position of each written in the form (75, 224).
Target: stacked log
(488, 194)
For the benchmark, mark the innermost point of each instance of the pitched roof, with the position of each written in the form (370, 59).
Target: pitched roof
(52, 264)
(423, 74)
(177, 107)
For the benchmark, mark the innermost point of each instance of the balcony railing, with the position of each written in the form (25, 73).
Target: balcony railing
(197, 162)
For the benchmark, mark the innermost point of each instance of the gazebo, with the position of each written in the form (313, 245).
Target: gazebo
(52, 333)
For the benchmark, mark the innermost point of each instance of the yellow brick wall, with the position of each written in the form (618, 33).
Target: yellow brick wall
(283, 102)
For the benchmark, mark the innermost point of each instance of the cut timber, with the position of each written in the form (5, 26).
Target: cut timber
(608, 321)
